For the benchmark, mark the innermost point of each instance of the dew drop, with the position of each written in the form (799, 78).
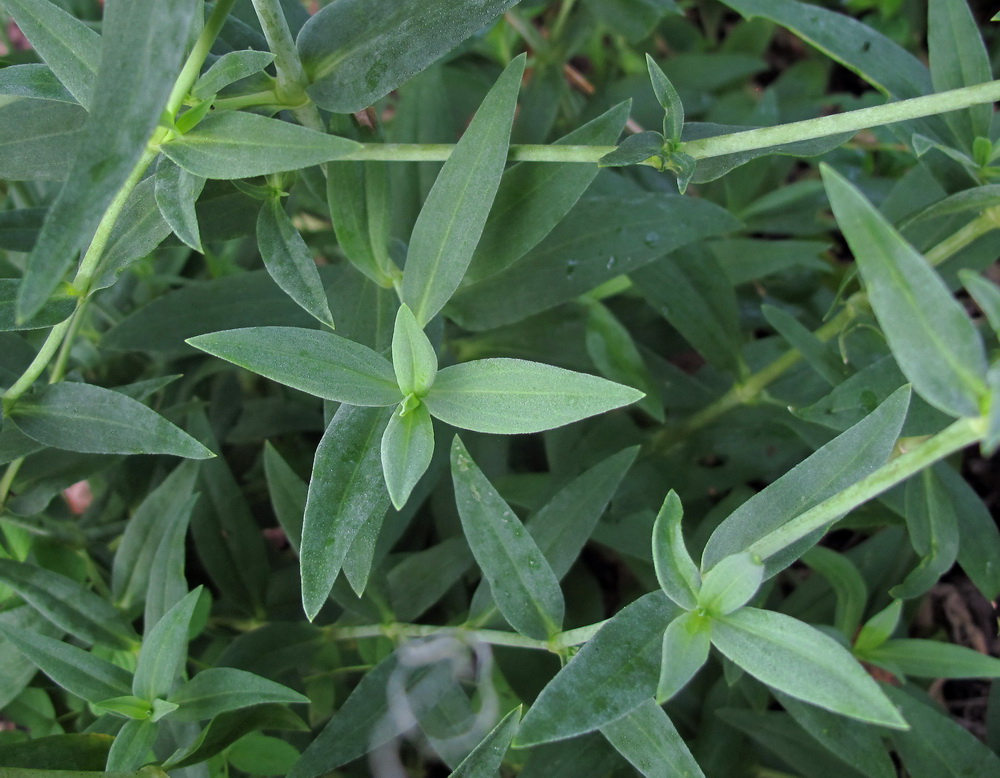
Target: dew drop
(612, 261)
(652, 238)
(571, 267)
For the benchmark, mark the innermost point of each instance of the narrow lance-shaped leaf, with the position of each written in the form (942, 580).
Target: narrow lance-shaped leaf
(407, 449)
(346, 490)
(320, 363)
(33, 80)
(686, 642)
(142, 49)
(510, 396)
(131, 749)
(164, 650)
(931, 337)
(803, 662)
(485, 759)
(931, 659)
(650, 741)
(730, 584)
(675, 570)
(94, 420)
(167, 581)
(525, 588)
(452, 218)
(228, 69)
(848, 585)
(235, 144)
(413, 357)
(220, 689)
(933, 528)
(67, 604)
(343, 47)
(176, 191)
(669, 100)
(289, 261)
(57, 309)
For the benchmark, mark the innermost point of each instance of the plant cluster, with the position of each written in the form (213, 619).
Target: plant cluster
(381, 397)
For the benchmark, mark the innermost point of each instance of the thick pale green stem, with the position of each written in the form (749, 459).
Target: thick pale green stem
(291, 75)
(959, 435)
(192, 67)
(987, 221)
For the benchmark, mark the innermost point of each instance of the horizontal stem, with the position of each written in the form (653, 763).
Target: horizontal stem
(439, 152)
(573, 637)
(959, 435)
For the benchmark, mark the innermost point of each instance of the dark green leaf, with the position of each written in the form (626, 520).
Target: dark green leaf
(421, 579)
(54, 311)
(453, 216)
(933, 528)
(37, 81)
(39, 139)
(220, 689)
(614, 672)
(675, 570)
(19, 228)
(820, 356)
(290, 262)
(931, 659)
(979, 547)
(167, 581)
(407, 448)
(93, 420)
(320, 363)
(234, 144)
(485, 759)
(288, 494)
(847, 583)
(650, 741)
(228, 69)
(347, 490)
(931, 337)
(343, 47)
(176, 192)
(164, 650)
(985, 293)
(58, 752)
(522, 583)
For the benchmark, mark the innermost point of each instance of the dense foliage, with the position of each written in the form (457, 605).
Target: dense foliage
(425, 387)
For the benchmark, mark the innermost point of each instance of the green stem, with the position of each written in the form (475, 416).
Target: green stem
(959, 435)
(192, 67)
(987, 221)
(494, 637)
(37, 366)
(560, 23)
(8, 480)
(291, 74)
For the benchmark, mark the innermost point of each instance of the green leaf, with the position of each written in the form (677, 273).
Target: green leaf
(320, 363)
(258, 754)
(979, 547)
(228, 69)
(730, 584)
(933, 528)
(129, 706)
(221, 689)
(847, 583)
(801, 661)
(167, 581)
(58, 752)
(78, 672)
(614, 672)
(423, 578)
(142, 51)
(878, 628)
(510, 396)
(69, 605)
(522, 582)
(176, 192)
(39, 140)
(288, 494)
(841, 462)
(453, 216)
(931, 337)
(985, 293)
(343, 46)
(147, 531)
(533, 197)
(407, 448)
(820, 356)
(413, 357)
(69, 47)
(858, 745)
(289, 261)
(931, 659)
(634, 150)
(164, 650)
(635, 19)
(235, 144)
(675, 570)
(958, 58)
(347, 490)
(669, 100)
(485, 759)
(19, 228)
(686, 642)
(650, 741)
(34, 80)
(54, 311)
(133, 746)
(93, 420)
(581, 253)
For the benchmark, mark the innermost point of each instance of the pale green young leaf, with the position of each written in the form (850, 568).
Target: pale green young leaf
(146, 532)
(878, 628)
(133, 746)
(847, 583)
(485, 759)
(958, 58)
(803, 662)
(142, 51)
(346, 490)
(129, 706)
(94, 420)
(407, 448)
(730, 584)
(289, 261)
(69, 47)
(931, 659)
(634, 150)
(933, 527)
(452, 218)
(931, 337)
(228, 69)
(413, 357)
(176, 191)
(235, 144)
(78, 672)
(675, 570)
(522, 582)
(33, 80)
(840, 463)
(164, 650)
(686, 642)
(320, 363)
(669, 100)
(343, 46)
(69, 605)
(167, 580)
(511, 396)
(55, 310)
(648, 739)
(534, 197)
(220, 689)
(614, 672)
